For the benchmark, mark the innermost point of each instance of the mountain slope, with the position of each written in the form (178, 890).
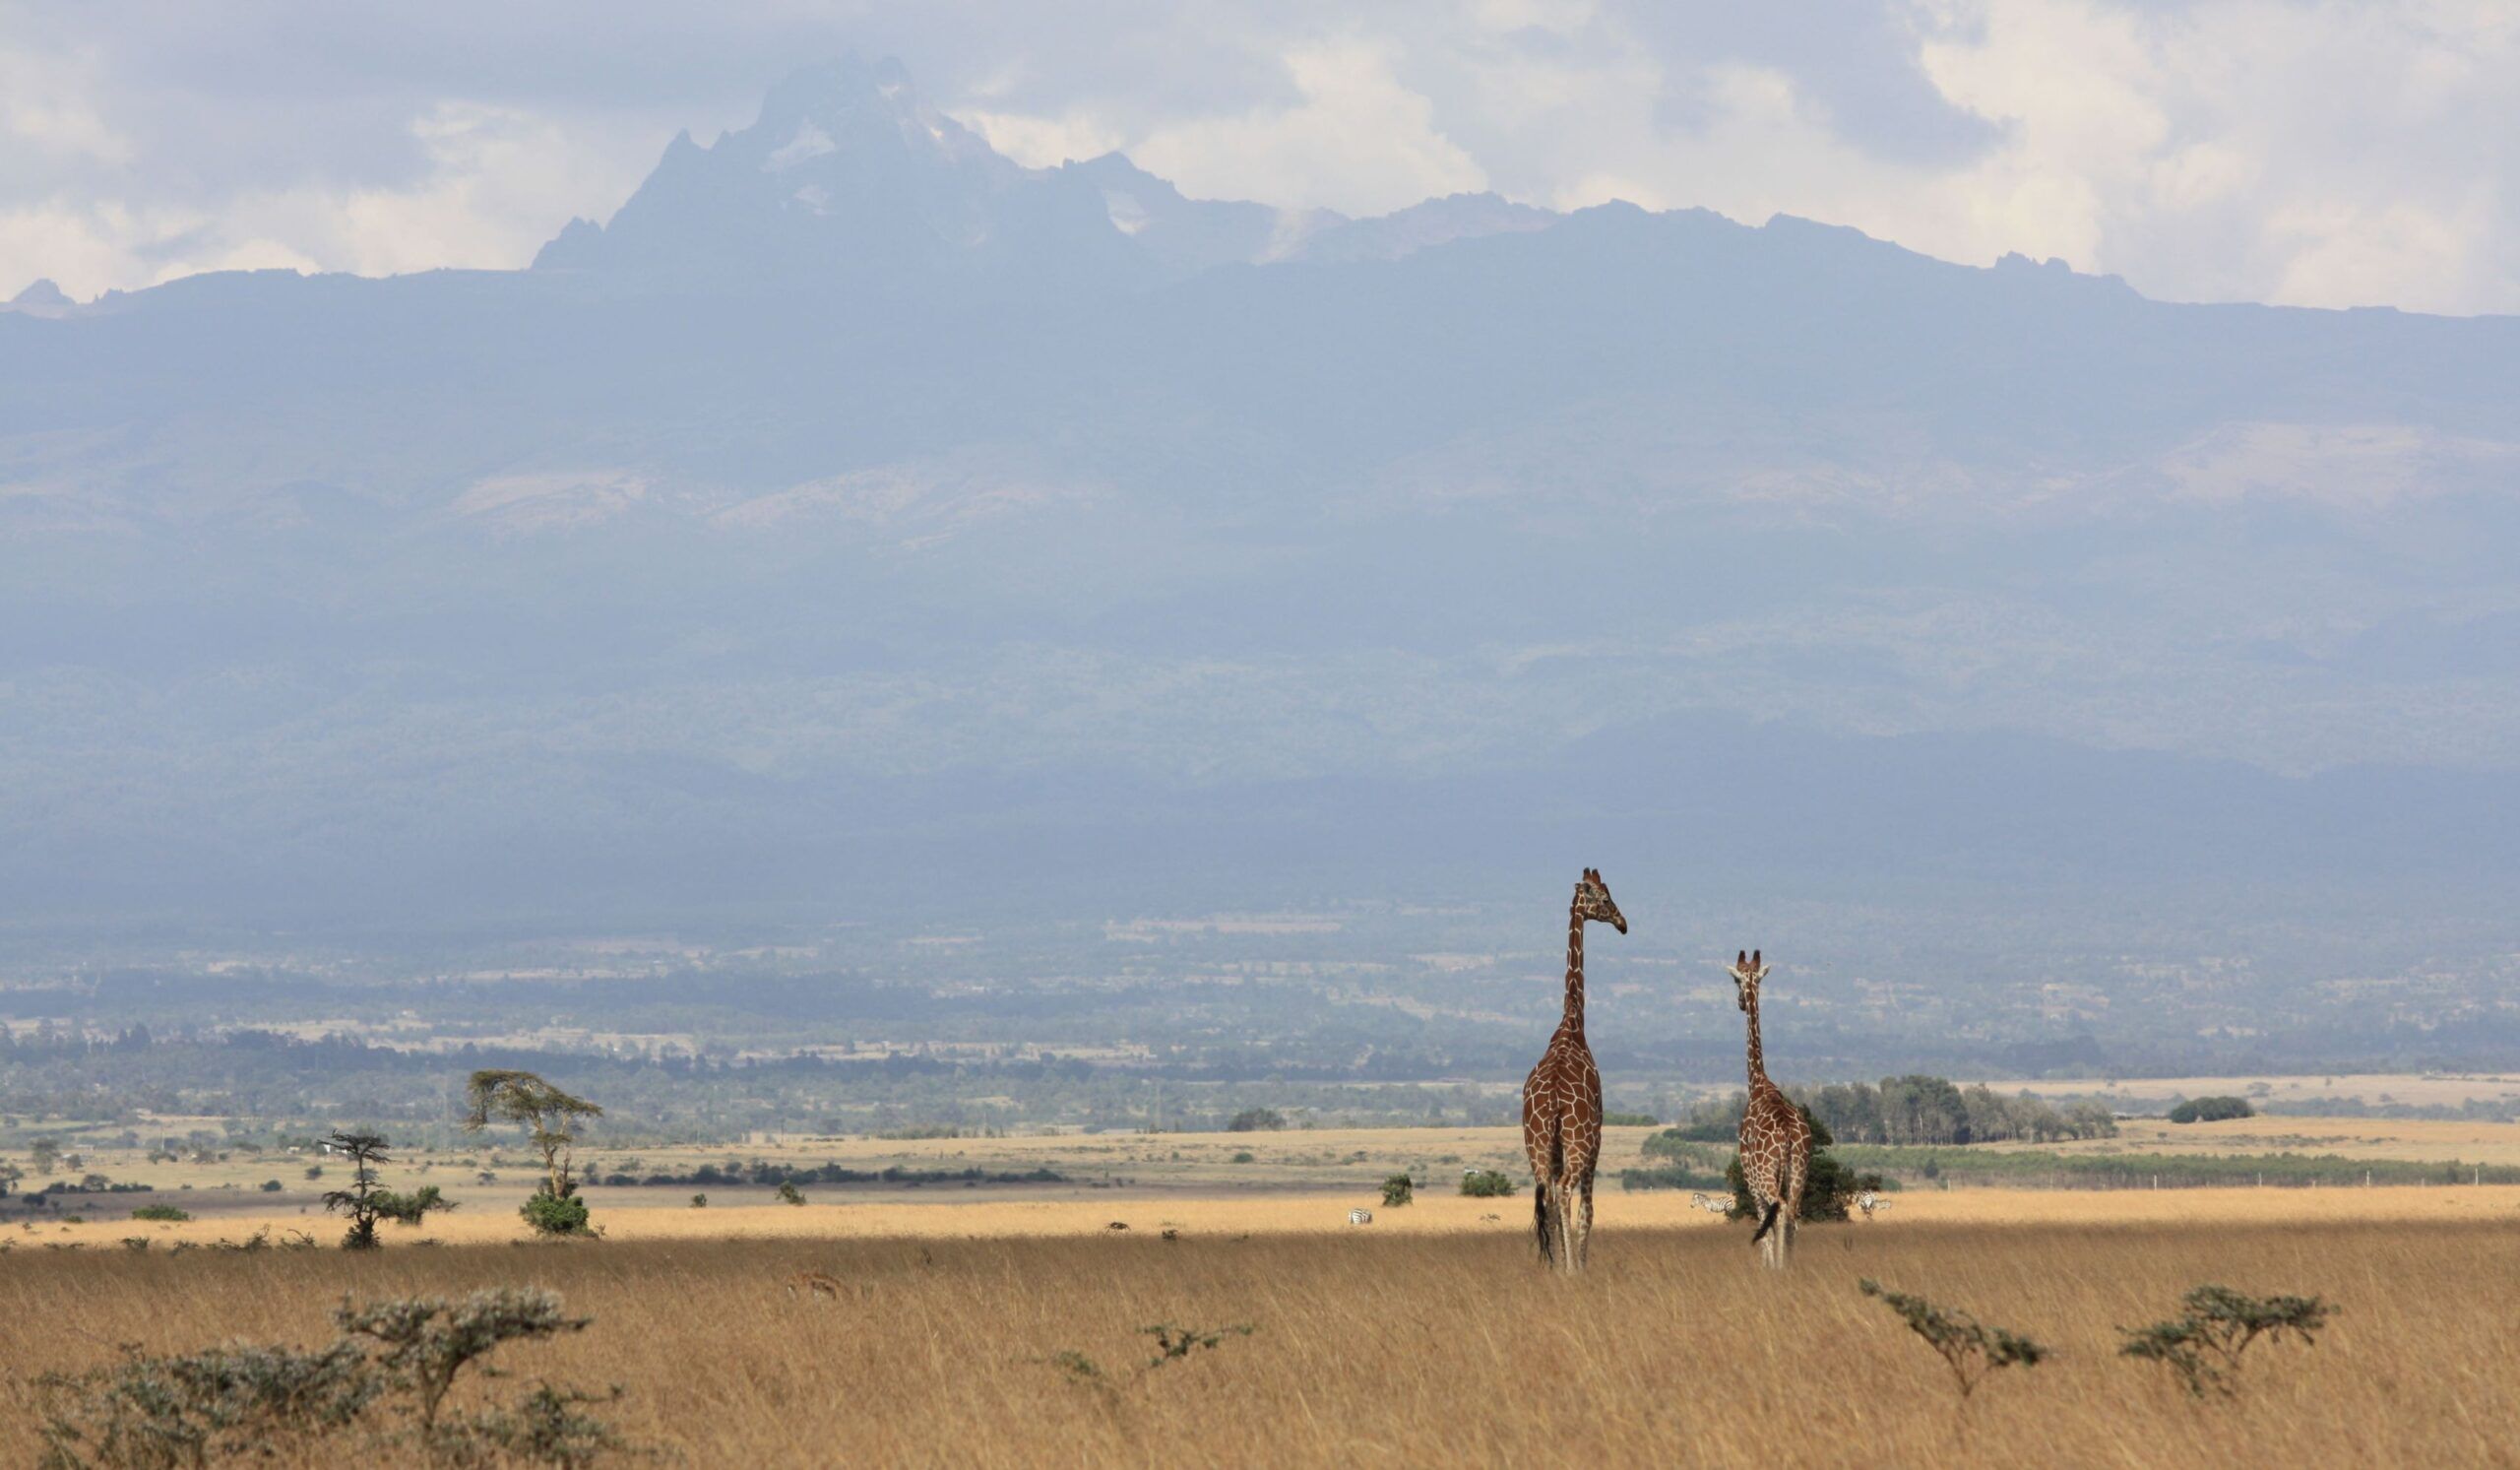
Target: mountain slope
(853, 475)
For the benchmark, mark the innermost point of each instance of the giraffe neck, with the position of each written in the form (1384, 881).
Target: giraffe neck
(1758, 1063)
(1574, 1018)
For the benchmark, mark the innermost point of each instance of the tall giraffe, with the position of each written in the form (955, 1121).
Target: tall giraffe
(1562, 1101)
(1776, 1143)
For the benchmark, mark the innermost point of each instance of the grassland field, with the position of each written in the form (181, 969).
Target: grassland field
(1431, 1336)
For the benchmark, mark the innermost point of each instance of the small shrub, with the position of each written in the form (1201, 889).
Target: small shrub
(554, 1215)
(1486, 1183)
(1256, 1121)
(269, 1186)
(239, 1401)
(545, 1427)
(789, 1194)
(1971, 1350)
(160, 1212)
(2202, 1345)
(428, 1342)
(411, 1208)
(700, 1201)
(1397, 1190)
(1246, 1156)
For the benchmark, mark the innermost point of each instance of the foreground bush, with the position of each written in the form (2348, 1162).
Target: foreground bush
(2203, 1345)
(378, 1394)
(1486, 1183)
(1970, 1348)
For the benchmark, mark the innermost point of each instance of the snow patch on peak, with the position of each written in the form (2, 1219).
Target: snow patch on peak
(810, 142)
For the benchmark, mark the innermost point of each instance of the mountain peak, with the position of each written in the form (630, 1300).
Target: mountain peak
(43, 297)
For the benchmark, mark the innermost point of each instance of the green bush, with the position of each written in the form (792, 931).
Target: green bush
(789, 1194)
(269, 1186)
(2210, 1110)
(160, 1212)
(1256, 1121)
(1486, 1183)
(552, 1215)
(1397, 1190)
(1244, 1156)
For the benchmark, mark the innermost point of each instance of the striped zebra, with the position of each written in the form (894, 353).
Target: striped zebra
(1869, 1201)
(1361, 1217)
(1712, 1205)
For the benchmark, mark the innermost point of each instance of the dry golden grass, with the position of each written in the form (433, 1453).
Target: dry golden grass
(950, 1217)
(1417, 1343)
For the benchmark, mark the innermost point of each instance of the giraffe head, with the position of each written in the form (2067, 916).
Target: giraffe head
(1747, 971)
(1593, 901)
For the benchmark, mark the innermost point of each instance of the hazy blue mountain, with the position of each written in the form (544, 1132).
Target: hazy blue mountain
(1456, 217)
(856, 506)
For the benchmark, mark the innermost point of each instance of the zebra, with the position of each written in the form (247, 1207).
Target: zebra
(1712, 1205)
(1361, 1217)
(1867, 1201)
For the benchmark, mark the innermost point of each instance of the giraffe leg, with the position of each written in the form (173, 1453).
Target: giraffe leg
(1569, 1245)
(1540, 1219)
(1584, 1247)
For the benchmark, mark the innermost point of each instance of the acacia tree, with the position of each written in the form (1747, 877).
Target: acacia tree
(547, 1115)
(366, 1202)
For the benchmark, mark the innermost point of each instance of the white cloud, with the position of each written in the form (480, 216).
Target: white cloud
(495, 184)
(2317, 154)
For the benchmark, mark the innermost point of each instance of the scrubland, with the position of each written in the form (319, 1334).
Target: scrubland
(1431, 1336)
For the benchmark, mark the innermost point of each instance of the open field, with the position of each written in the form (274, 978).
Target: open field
(1268, 1181)
(2420, 1140)
(1004, 1215)
(1418, 1341)
(2413, 1089)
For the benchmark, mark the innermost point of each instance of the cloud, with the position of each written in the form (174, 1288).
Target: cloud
(2240, 149)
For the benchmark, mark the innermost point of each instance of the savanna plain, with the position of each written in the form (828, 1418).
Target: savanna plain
(989, 1331)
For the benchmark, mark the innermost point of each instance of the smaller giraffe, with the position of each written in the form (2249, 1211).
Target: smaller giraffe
(1776, 1143)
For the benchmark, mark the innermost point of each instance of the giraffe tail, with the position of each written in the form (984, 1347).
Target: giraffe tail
(1767, 1222)
(1541, 1221)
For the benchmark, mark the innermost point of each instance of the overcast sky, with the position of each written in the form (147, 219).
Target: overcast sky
(2315, 153)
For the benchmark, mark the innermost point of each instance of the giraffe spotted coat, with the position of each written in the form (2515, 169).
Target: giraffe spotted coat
(1776, 1143)
(1562, 1101)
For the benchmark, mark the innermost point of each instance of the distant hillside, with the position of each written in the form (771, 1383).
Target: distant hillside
(855, 498)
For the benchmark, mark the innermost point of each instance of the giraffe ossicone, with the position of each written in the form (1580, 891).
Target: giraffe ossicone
(1562, 1100)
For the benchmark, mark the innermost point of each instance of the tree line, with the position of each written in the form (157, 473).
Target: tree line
(1912, 1111)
